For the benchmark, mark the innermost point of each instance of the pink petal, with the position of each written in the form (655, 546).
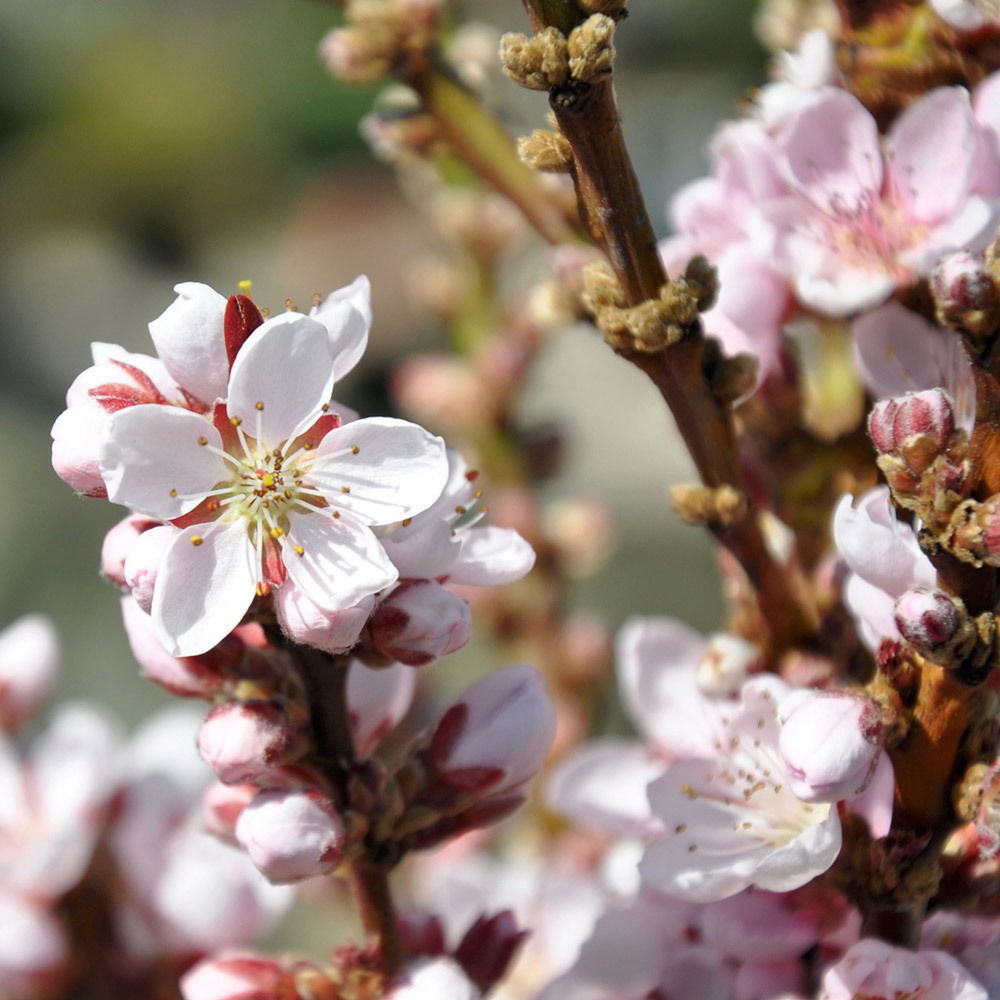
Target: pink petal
(347, 316)
(152, 452)
(341, 563)
(838, 290)
(832, 153)
(874, 804)
(934, 137)
(491, 556)
(189, 340)
(281, 378)
(204, 590)
(390, 469)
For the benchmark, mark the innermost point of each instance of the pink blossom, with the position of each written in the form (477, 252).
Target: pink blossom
(377, 700)
(732, 820)
(221, 806)
(34, 951)
(880, 971)
(865, 218)
(273, 491)
(238, 976)
(29, 665)
(884, 559)
(434, 979)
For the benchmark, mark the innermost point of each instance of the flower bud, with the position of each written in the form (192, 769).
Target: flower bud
(76, 437)
(916, 427)
(29, 663)
(724, 665)
(34, 952)
(222, 805)
(495, 738)
(238, 976)
(420, 622)
(488, 947)
(831, 744)
(243, 740)
(291, 835)
(377, 699)
(927, 619)
(965, 293)
(307, 623)
(143, 562)
(118, 543)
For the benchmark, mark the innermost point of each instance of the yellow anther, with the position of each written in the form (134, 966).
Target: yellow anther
(276, 532)
(196, 540)
(268, 480)
(406, 522)
(354, 449)
(345, 489)
(299, 551)
(236, 421)
(336, 513)
(325, 407)
(173, 493)
(461, 510)
(259, 405)
(245, 287)
(203, 440)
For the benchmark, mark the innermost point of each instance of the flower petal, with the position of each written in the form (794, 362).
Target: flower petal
(341, 561)
(203, 589)
(380, 469)
(281, 378)
(832, 153)
(347, 316)
(152, 459)
(190, 342)
(491, 556)
(934, 137)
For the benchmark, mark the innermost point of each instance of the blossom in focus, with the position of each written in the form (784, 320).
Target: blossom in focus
(732, 820)
(865, 217)
(266, 488)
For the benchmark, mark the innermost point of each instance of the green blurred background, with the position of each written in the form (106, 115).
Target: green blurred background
(146, 143)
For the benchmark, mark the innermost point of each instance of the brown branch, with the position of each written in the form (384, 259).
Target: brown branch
(325, 680)
(614, 212)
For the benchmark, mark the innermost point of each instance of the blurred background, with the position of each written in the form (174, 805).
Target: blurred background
(147, 142)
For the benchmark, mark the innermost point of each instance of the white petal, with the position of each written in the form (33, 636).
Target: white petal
(347, 316)
(151, 451)
(423, 550)
(190, 340)
(202, 591)
(397, 470)
(341, 563)
(285, 368)
(492, 556)
(800, 860)
(603, 786)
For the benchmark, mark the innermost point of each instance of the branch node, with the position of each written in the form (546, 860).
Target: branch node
(591, 49)
(720, 505)
(539, 62)
(547, 151)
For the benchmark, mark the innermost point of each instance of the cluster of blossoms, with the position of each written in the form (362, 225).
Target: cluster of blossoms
(813, 794)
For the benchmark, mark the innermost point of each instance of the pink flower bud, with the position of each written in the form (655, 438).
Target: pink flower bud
(221, 807)
(377, 700)
(76, 437)
(291, 835)
(118, 543)
(928, 414)
(962, 283)
(496, 737)
(143, 562)
(305, 622)
(420, 622)
(238, 976)
(29, 663)
(243, 740)
(928, 619)
(831, 744)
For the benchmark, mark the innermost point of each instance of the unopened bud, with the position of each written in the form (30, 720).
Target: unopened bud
(377, 700)
(420, 622)
(243, 740)
(238, 976)
(29, 663)
(831, 744)
(496, 736)
(928, 619)
(143, 563)
(308, 623)
(118, 543)
(359, 54)
(965, 293)
(725, 663)
(916, 427)
(291, 835)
